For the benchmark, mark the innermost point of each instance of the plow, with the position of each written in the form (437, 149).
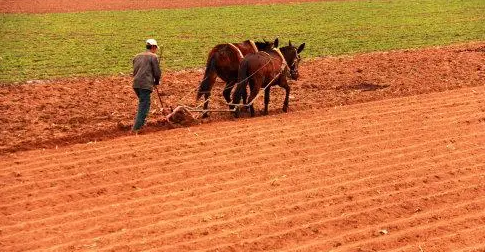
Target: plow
(184, 114)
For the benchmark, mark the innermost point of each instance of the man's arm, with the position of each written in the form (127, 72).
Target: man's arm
(157, 72)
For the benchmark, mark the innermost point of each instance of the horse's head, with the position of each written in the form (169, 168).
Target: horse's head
(292, 57)
(265, 45)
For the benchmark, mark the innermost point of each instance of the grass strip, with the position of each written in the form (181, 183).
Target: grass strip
(44, 46)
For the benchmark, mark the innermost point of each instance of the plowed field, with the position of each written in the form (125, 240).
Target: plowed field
(402, 174)
(380, 152)
(67, 111)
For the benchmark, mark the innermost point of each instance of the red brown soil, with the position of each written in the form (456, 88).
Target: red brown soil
(401, 174)
(62, 112)
(50, 6)
(400, 167)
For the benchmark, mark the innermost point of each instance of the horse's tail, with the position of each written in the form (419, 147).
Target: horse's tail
(242, 82)
(210, 75)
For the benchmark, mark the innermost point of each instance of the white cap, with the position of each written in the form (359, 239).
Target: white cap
(152, 42)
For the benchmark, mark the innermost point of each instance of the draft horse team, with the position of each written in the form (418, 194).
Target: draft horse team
(260, 65)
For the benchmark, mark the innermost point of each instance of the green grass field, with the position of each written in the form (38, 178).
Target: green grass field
(44, 46)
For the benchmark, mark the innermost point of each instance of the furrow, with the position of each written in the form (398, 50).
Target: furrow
(116, 153)
(271, 229)
(164, 164)
(75, 174)
(217, 226)
(445, 225)
(417, 223)
(473, 248)
(434, 242)
(109, 149)
(383, 159)
(264, 165)
(369, 184)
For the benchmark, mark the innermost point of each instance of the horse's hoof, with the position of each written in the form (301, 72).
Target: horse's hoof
(205, 115)
(237, 113)
(285, 109)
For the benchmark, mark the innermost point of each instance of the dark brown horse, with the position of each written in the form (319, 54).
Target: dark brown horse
(223, 61)
(265, 69)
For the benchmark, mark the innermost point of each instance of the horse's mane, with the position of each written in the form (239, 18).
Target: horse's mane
(286, 48)
(265, 45)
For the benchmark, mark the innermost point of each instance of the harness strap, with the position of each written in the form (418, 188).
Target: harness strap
(284, 64)
(239, 53)
(255, 48)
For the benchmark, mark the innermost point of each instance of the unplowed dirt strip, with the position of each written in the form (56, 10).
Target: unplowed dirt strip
(400, 175)
(48, 6)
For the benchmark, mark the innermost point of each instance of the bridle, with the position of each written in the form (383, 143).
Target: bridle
(295, 61)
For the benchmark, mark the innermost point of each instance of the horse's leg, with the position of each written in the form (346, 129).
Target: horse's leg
(254, 90)
(227, 92)
(206, 100)
(209, 82)
(206, 104)
(244, 95)
(251, 110)
(236, 98)
(266, 100)
(284, 84)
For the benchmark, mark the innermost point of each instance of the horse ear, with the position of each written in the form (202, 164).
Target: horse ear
(276, 43)
(301, 47)
(289, 43)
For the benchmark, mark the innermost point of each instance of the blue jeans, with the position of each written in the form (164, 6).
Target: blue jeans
(143, 107)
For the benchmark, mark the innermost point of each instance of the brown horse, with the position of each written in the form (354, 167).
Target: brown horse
(223, 61)
(265, 69)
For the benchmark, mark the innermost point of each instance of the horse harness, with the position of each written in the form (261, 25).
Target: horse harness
(284, 64)
(253, 45)
(238, 51)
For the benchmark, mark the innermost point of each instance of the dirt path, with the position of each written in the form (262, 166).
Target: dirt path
(399, 174)
(62, 112)
(60, 6)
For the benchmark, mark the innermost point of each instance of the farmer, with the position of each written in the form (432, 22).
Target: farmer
(146, 74)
